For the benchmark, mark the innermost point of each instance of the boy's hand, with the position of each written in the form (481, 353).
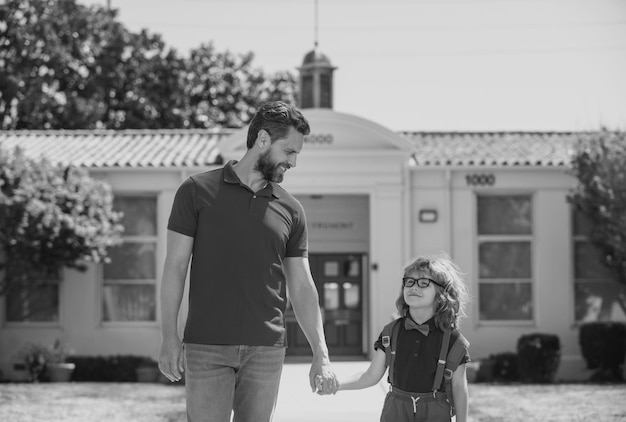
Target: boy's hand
(318, 384)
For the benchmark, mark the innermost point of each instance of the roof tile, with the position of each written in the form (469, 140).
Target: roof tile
(121, 149)
(197, 148)
(498, 149)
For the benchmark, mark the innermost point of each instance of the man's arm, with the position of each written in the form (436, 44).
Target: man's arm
(305, 301)
(179, 249)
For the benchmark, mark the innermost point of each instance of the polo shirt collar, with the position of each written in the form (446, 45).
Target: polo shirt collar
(231, 177)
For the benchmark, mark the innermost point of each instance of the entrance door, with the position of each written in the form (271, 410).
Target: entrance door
(339, 282)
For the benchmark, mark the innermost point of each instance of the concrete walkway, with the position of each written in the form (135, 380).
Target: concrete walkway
(296, 402)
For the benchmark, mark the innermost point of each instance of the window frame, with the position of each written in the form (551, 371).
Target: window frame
(505, 238)
(38, 324)
(150, 239)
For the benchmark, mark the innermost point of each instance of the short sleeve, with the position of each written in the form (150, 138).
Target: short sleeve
(466, 356)
(184, 217)
(297, 245)
(378, 344)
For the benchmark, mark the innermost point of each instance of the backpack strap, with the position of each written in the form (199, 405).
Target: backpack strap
(390, 340)
(441, 363)
(455, 355)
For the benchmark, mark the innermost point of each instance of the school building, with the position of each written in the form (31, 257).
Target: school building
(494, 201)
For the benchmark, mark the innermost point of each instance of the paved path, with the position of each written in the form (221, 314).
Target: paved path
(296, 403)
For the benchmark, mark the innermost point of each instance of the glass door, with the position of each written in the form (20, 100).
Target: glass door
(339, 282)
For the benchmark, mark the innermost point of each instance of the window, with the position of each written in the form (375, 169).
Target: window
(129, 288)
(326, 91)
(38, 302)
(307, 91)
(505, 257)
(597, 295)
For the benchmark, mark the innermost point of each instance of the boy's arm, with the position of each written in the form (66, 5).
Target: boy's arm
(370, 377)
(305, 301)
(460, 393)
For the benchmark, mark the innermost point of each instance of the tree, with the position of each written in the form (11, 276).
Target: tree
(64, 65)
(599, 164)
(224, 88)
(52, 217)
(67, 66)
(46, 65)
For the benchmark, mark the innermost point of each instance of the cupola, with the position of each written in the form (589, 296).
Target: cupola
(316, 80)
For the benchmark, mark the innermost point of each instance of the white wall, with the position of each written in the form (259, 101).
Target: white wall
(455, 233)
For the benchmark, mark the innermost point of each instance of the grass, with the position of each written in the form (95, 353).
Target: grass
(117, 402)
(107, 402)
(559, 402)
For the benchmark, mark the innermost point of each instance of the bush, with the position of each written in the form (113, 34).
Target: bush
(498, 367)
(119, 368)
(603, 345)
(538, 357)
(505, 367)
(34, 357)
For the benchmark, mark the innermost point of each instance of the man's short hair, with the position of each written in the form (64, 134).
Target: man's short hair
(276, 117)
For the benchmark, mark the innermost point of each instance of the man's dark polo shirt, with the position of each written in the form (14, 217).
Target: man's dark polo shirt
(237, 289)
(417, 356)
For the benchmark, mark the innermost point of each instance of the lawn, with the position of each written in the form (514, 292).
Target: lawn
(136, 402)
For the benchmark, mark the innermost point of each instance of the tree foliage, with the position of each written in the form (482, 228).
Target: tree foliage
(51, 217)
(599, 164)
(224, 88)
(67, 66)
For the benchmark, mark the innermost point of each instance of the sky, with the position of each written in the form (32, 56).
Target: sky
(426, 65)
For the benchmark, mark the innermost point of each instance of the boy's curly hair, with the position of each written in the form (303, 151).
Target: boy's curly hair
(451, 301)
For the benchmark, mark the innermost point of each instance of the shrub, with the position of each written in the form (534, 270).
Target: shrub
(505, 367)
(538, 357)
(485, 370)
(603, 345)
(34, 357)
(498, 367)
(118, 368)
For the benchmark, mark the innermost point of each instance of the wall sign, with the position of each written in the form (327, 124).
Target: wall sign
(480, 179)
(332, 225)
(319, 139)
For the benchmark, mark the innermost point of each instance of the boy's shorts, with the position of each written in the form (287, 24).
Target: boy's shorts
(404, 406)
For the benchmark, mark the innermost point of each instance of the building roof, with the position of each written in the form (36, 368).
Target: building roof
(315, 57)
(198, 148)
(120, 149)
(509, 149)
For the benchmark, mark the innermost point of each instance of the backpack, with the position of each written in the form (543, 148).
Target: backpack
(447, 363)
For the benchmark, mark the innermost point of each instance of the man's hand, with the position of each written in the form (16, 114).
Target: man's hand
(171, 359)
(322, 378)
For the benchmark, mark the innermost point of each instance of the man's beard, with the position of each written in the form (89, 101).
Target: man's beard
(268, 170)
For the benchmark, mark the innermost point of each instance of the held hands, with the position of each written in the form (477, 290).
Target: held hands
(323, 383)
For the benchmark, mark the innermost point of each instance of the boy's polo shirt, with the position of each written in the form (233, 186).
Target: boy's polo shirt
(237, 292)
(417, 355)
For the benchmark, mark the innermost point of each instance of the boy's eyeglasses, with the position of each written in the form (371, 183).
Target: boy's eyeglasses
(421, 282)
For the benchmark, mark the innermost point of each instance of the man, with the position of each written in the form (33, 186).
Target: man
(247, 240)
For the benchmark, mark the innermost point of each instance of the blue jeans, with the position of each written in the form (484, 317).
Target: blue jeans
(241, 379)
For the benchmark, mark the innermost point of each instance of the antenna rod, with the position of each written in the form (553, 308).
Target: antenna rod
(315, 23)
